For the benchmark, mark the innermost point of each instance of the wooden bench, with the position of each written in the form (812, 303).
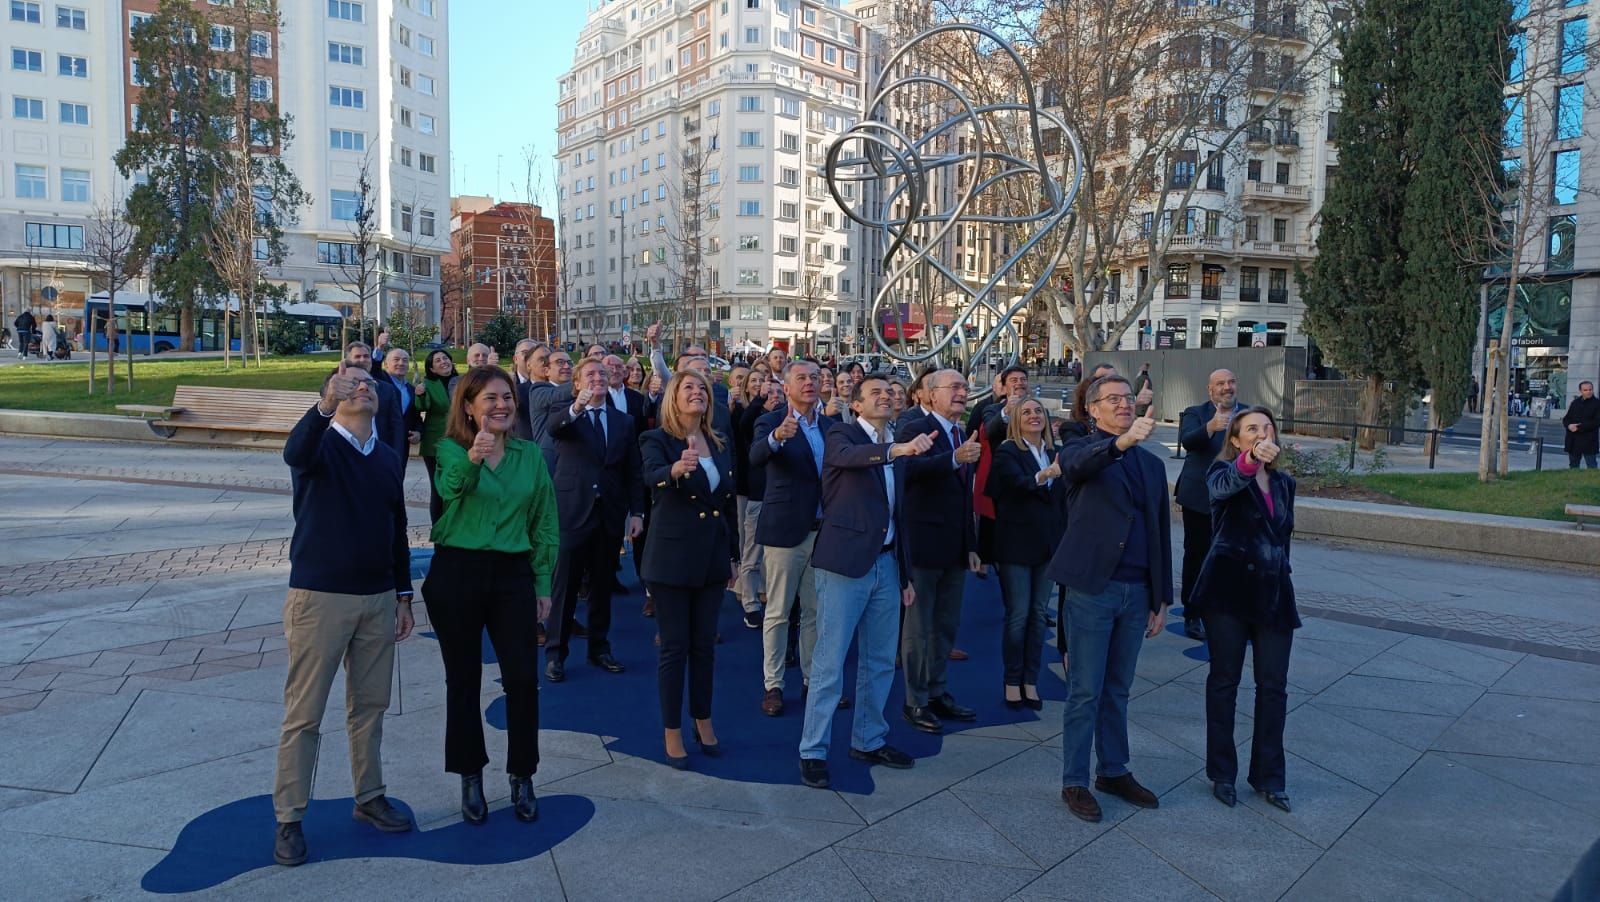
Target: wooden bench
(149, 410)
(1583, 512)
(233, 415)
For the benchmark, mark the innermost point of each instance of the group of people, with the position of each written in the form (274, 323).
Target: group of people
(839, 507)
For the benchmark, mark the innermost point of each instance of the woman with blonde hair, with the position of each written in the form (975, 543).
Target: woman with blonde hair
(1030, 515)
(690, 553)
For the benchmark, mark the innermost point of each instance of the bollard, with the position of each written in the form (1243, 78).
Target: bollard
(1354, 432)
(1538, 453)
(1433, 447)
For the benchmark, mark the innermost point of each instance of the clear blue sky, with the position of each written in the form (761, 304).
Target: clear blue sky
(505, 56)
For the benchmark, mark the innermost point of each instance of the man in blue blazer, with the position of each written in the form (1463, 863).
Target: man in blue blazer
(599, 495)
(789, 443)
(863, 579)
(1115, 559)
(944, 547)
(1201, 431)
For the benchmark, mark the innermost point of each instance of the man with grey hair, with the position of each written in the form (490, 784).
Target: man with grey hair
(478, 354)
(519, 358)
(389, 421)
(1202, 430)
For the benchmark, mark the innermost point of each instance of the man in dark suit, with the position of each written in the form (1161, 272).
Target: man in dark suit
(623, 399)
(1115, 559)
(531, 360)
(788, 442)
(1201, 431)
(599, 495)
(396, 367)
(863, 579)
(546, 397)
(389, 423)
(944, 547)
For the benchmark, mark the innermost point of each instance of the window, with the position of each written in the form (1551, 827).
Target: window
(405, 117)
(75, 185)
(1569, 111)
(407, 212)
(1511, 136)
(1178, 280)
(67, 238)
(405, 77)
(427, 162)
(344, 139)
(27, 60)
(25, 11)
(1565, 180)
(749, 104)
(72, 17)
(422, 266)
(1182, 169)
(30, 182)
(1563, 239)
(1574, 46)
(348, 10)
(343, 205)
(789, 142)
(781, 314)
(221, 37)
(749, 139)
(261, 88)
(426, 8)
(353, 98)
(1281, 174)
(425, 45)
(1249, 285)
(749, 208)
(135, 20)
(749, 173)
(427, 124)
(752, 35)
(1277, 286)
(349, 54)
(30, 108)
(73, 113)
(403, 35)
(1518, 43)
(1210, 283)
(426, 85)
(749, 277)
(1280, 230)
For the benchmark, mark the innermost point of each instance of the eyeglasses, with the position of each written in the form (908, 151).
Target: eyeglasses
(1115, 400)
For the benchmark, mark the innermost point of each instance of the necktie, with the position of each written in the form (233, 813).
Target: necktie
(598, 424)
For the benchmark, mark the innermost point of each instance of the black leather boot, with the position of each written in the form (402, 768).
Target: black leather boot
(522, 799)
(473, 807)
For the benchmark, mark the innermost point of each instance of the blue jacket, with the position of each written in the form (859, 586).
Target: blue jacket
(694, 531)
(855, 518)
(794, 487)
(1246, 573)
(1100, 505)
(938, 505)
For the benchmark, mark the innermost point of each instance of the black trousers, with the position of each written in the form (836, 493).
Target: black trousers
(468, 592)
(687, 618)
(588, 550)
(1226, 637)
(1196, 543)
(435, 503)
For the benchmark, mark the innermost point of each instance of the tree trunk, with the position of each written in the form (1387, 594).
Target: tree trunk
(111, 348)
(227, 337)
(1372, 408)
(127, 349)
(186, 326)
(1487, 443)
(88, 339)
(1502, 385)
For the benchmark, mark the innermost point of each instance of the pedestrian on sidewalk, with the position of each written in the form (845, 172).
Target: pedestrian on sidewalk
(494, 555)
(1245, 595)
(52, 336)
(25, 324)
(349, 599)
(1582, 423)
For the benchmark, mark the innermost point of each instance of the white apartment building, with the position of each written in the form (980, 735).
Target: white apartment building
(752, 91)
(366, 82)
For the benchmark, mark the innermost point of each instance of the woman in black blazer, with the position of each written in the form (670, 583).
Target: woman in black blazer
(1029, 508)
(689, 553)
(1244, 594)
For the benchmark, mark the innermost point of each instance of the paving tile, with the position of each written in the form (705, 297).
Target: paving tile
(647, 780)
(168, 730)
(53, 748)
(71, 868)
(1527, 727)
(1417, 731)
(941, 827)
(1114, 868)
(1550, 678)
(822, 877)
(1354, 870)
(890, 878)
(959, 757)
(1358, 755)
(1325, 804)
(1401, 695)
(1042, 828)
(1574, 785)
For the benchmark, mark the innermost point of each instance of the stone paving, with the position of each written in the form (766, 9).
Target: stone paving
(141, 671)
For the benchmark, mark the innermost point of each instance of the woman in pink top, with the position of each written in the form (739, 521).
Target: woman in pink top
(1245, 596)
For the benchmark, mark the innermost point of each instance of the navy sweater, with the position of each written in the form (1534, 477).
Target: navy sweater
(349, 513)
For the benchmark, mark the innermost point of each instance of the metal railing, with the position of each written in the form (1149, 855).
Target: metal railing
(1435, 437)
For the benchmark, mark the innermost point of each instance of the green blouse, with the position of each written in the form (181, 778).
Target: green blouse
(434, 402)
(511, 508)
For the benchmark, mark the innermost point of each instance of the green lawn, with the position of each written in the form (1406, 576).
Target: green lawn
(65, 386)
(1543, 494)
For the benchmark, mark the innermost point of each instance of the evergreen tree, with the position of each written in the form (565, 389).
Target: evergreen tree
(1355, 303)
(178, 148)
(1458, 64)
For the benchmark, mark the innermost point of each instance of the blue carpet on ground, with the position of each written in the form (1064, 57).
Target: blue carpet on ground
(232, 840)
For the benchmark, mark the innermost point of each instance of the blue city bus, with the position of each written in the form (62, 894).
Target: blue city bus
(151, 327)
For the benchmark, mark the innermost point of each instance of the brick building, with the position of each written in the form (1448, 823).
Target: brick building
(504, 255)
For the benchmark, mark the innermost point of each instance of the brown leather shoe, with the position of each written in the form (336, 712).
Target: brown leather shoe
(1127, 789)
(772, 702)
(1080, 802)
(957, 654)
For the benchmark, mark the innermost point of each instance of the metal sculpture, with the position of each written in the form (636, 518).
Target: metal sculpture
(902, 166)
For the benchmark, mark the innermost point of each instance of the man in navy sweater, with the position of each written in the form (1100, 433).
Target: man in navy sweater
(349, 599)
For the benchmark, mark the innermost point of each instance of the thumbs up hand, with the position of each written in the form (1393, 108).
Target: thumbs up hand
(970, 450)
(483, 445)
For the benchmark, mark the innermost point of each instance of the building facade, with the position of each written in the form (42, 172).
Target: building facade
(367, 85)
(690, 137)
(506, 255)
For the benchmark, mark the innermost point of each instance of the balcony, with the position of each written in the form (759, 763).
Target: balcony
(1258, 135)
(1273, 81)
(1286, 140)
(1250, 295)
(1280, 249)
(1277, 295)
(1277, 28)
(1199, 244)
(1274, 193)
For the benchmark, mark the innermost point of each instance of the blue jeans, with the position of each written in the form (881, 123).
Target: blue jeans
(869, 605)
(1103, 650)
(1026, 591)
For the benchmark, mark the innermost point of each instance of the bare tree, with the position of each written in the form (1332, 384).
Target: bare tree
(692, 202)
(110, 242)
(358, 263)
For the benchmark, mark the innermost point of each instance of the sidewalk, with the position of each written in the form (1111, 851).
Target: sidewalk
(142, 667)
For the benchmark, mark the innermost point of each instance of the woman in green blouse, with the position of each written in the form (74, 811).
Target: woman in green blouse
(433, 401)
(494, 553)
